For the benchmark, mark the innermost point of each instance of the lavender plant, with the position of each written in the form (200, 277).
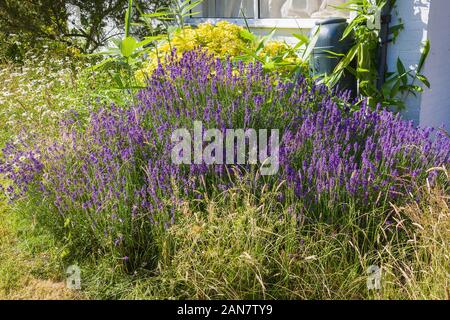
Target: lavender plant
(336, 156)
(109, 185)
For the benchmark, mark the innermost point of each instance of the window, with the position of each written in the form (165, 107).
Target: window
(226, 9)
(305, 9)
(270, 9)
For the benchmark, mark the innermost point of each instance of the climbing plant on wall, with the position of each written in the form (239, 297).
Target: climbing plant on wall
(395, 86)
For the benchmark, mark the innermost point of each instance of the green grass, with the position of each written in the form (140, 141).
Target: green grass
(242, 247)
(30, 264)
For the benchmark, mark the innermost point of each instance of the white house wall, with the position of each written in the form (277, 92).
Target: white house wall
(435, 106)
(414, 14)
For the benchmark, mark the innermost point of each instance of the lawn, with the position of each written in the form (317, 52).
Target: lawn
(27, 267)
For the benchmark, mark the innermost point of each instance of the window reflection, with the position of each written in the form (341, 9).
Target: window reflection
(270, 9)
(226, 8)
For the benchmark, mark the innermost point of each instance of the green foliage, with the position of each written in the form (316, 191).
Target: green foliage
(175, 12)
(29, 259)
(98, 17)
(400, 83)
(126, 66)
(31, 23)
(277, 56)
(26, 24)
(123, 59)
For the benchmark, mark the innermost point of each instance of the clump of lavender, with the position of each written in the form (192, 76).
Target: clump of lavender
(112, 182)
(361, 156)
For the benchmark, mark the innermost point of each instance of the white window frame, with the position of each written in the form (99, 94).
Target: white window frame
(261, 23)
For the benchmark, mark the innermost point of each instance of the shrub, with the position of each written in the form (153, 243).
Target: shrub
(223, 40)
(366, 157)
(116, 191)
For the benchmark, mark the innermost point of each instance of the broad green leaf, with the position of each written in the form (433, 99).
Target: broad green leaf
(156, 14)
(148, 40)
(311, 45)
(361, 70)
(102, 64)
(302, 37)
(128, 15)
(416, 88)
(188, 7)
(424, 80)
(424, 55)
(109, 52)
(127, 47)
(247, 35)
(345, 62)
(334, 54)
(402, 71)
(269, 66)
(395, 89)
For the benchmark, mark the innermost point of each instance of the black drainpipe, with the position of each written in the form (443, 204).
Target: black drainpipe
(384, 37)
